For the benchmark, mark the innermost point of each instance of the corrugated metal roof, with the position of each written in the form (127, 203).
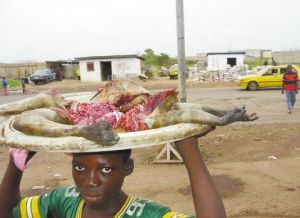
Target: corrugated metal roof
(63, 62)
(225, 53)
(109, 57)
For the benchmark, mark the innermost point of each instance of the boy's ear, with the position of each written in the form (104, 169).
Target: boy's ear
(129, 167)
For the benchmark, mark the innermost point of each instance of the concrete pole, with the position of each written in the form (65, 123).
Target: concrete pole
(181, 50)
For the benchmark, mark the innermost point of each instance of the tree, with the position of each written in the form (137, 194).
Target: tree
(163, 59)
(150, 57)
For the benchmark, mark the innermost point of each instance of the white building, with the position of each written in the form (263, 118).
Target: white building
(103, 68)
(221, 60)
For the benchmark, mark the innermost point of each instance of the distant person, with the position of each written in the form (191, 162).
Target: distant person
(23, 87)
(266, 63)
(4, 86)
(290, 86)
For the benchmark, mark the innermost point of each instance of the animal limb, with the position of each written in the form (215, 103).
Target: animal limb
(198, 116)
(39, 101)
(216, 112)
(46, 122)
(188, 106)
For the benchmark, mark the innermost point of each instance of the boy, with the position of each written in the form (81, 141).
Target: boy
(4, 86)
(99, 178)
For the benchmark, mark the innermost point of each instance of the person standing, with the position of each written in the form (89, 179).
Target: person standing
(4, 86)
(290, 86)
(23, 87)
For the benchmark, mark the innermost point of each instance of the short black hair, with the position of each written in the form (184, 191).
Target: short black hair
(125, 153)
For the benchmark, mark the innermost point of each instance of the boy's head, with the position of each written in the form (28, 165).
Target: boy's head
(100, 176)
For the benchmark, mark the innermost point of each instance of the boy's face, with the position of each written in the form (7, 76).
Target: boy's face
(99, 177)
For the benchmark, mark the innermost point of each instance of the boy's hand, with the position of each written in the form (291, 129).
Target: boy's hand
(186, 142)
(21, 157)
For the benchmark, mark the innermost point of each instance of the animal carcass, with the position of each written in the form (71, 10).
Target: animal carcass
(121, 106)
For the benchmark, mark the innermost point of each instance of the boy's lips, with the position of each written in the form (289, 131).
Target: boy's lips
(92, 197)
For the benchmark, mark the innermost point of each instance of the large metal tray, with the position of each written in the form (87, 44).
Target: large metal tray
(10, 137)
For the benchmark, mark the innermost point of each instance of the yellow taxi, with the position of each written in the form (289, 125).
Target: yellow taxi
(77, 74)
(265, 78)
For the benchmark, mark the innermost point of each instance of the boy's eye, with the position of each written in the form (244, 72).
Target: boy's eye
(79, 168)
(106, 170)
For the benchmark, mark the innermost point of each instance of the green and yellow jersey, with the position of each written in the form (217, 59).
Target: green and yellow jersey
(67, 203)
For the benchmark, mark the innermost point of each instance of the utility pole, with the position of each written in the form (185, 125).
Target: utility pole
(169, 147)
(181, 50)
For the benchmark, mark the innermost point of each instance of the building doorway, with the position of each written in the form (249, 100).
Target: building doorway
(106, 72)
(231, 61)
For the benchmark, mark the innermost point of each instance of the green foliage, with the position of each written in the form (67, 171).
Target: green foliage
(163, 59)
(13, 83)
(153, 60)
(257, 62)
(190, 62)
(253, 63)
(150, 74)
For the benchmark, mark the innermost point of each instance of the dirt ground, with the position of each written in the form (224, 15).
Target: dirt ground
(255, 166)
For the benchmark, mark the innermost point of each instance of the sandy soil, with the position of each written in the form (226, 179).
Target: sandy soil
(255, 166)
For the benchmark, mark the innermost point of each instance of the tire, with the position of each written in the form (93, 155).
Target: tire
(252, 86)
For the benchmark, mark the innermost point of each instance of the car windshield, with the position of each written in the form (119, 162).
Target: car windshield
(174, 67)
(40, 72)
(263, 71)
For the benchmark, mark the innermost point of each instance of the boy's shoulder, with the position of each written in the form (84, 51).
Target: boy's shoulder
(147, 208)
(66, 192)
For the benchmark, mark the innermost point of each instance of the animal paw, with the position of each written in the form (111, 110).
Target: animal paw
(238, 114)
(101, 133)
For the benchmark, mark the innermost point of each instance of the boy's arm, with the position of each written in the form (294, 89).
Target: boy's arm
(297, 83)
(10, 185)
(10, 189)
(283, 82)
(207, 201)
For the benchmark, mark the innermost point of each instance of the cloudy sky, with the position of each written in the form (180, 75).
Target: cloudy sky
(42, 30)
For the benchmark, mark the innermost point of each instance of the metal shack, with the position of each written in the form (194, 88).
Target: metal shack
(104, 68)
(220, 60)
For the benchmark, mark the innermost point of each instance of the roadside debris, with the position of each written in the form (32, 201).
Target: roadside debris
(37, 187)
(272, 157)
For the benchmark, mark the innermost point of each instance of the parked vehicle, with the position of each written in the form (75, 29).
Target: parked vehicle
(173, 72)
(77, 74)
(268, 77)
(43, 76)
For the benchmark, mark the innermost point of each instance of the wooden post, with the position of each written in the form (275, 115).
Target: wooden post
(166, 154)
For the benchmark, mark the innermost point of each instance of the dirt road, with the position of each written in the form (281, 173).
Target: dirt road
(254, 165)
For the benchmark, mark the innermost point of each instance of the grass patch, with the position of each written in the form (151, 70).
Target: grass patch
(13, 84)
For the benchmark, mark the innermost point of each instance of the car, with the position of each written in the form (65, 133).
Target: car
(77, 74)
(173, 72)
(266, 78)
(43, 76)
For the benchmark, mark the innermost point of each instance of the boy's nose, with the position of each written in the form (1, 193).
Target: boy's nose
(94, 178)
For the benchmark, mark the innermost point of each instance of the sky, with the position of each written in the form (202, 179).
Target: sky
(40, 30)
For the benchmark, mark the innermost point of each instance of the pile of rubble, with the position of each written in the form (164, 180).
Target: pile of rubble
(229, 74)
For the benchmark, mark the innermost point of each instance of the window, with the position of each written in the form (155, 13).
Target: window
(90, 66)
(274, 71)
(282, 70)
